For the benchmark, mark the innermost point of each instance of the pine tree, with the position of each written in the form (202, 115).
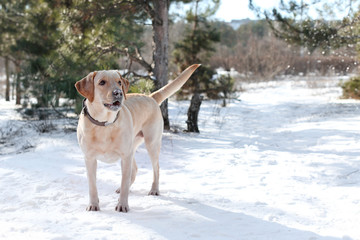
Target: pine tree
(55, 43)
(195, 47)
(12, 17)
(292, 22)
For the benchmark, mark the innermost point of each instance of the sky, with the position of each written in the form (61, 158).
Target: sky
(239, 9)
(230, 9)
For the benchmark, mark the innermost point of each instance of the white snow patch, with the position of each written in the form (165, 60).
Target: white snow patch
(282, 163)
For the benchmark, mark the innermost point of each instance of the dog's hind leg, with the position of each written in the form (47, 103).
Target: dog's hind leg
(153, 148)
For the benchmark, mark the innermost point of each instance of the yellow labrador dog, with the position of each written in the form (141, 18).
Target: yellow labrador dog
(113, 124)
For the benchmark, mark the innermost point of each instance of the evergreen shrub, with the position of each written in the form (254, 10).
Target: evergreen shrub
(351, 88)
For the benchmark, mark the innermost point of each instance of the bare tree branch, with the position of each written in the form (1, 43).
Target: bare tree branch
(136, 58)
(137, 75)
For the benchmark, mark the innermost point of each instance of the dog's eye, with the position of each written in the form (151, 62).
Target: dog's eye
(119, 83)
(102, 82)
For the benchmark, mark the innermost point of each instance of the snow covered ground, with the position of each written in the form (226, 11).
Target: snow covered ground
(282, 163)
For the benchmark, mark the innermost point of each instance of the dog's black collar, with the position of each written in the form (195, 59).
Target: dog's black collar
(94, 121)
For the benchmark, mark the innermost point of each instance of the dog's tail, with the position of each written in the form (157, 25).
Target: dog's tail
(174, 86)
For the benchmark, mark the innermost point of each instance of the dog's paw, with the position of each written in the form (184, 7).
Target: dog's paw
(154, 192)
(93, 207)
(122, 208)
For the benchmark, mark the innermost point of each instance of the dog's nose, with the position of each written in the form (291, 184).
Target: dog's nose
(117, 93)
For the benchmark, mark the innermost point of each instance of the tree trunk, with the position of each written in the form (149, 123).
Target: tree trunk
(7, 72)
(193, 113)
(18, 88)
(160, 23)
(196, 100)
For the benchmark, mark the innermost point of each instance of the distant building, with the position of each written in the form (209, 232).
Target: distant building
(235, 24)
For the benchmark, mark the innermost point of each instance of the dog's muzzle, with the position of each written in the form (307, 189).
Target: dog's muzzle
(114, 106)
(117, 100)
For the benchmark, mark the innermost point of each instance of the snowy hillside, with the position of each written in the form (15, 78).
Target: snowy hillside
(283, 163)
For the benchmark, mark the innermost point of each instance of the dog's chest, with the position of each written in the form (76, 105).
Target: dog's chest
(105, 145)
(107, 151)
(108, 157)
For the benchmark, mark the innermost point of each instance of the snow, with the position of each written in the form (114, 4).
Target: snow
(282, 163)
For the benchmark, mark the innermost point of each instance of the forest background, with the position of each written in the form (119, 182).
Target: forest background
(46, 46)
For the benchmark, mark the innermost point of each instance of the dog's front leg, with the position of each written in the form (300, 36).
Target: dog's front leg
(126, 168)
(91, 165)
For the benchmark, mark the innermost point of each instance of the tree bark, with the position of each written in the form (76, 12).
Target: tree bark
(160, 23)
(193, 113)
(196, 99)
(7, 72)
(17, 86)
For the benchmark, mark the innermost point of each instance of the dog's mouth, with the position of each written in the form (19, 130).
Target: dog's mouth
(114, 106)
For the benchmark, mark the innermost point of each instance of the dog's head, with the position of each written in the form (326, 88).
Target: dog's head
(107, 88)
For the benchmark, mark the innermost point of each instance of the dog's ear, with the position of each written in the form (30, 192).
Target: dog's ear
(86, 86)
(125, 84)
